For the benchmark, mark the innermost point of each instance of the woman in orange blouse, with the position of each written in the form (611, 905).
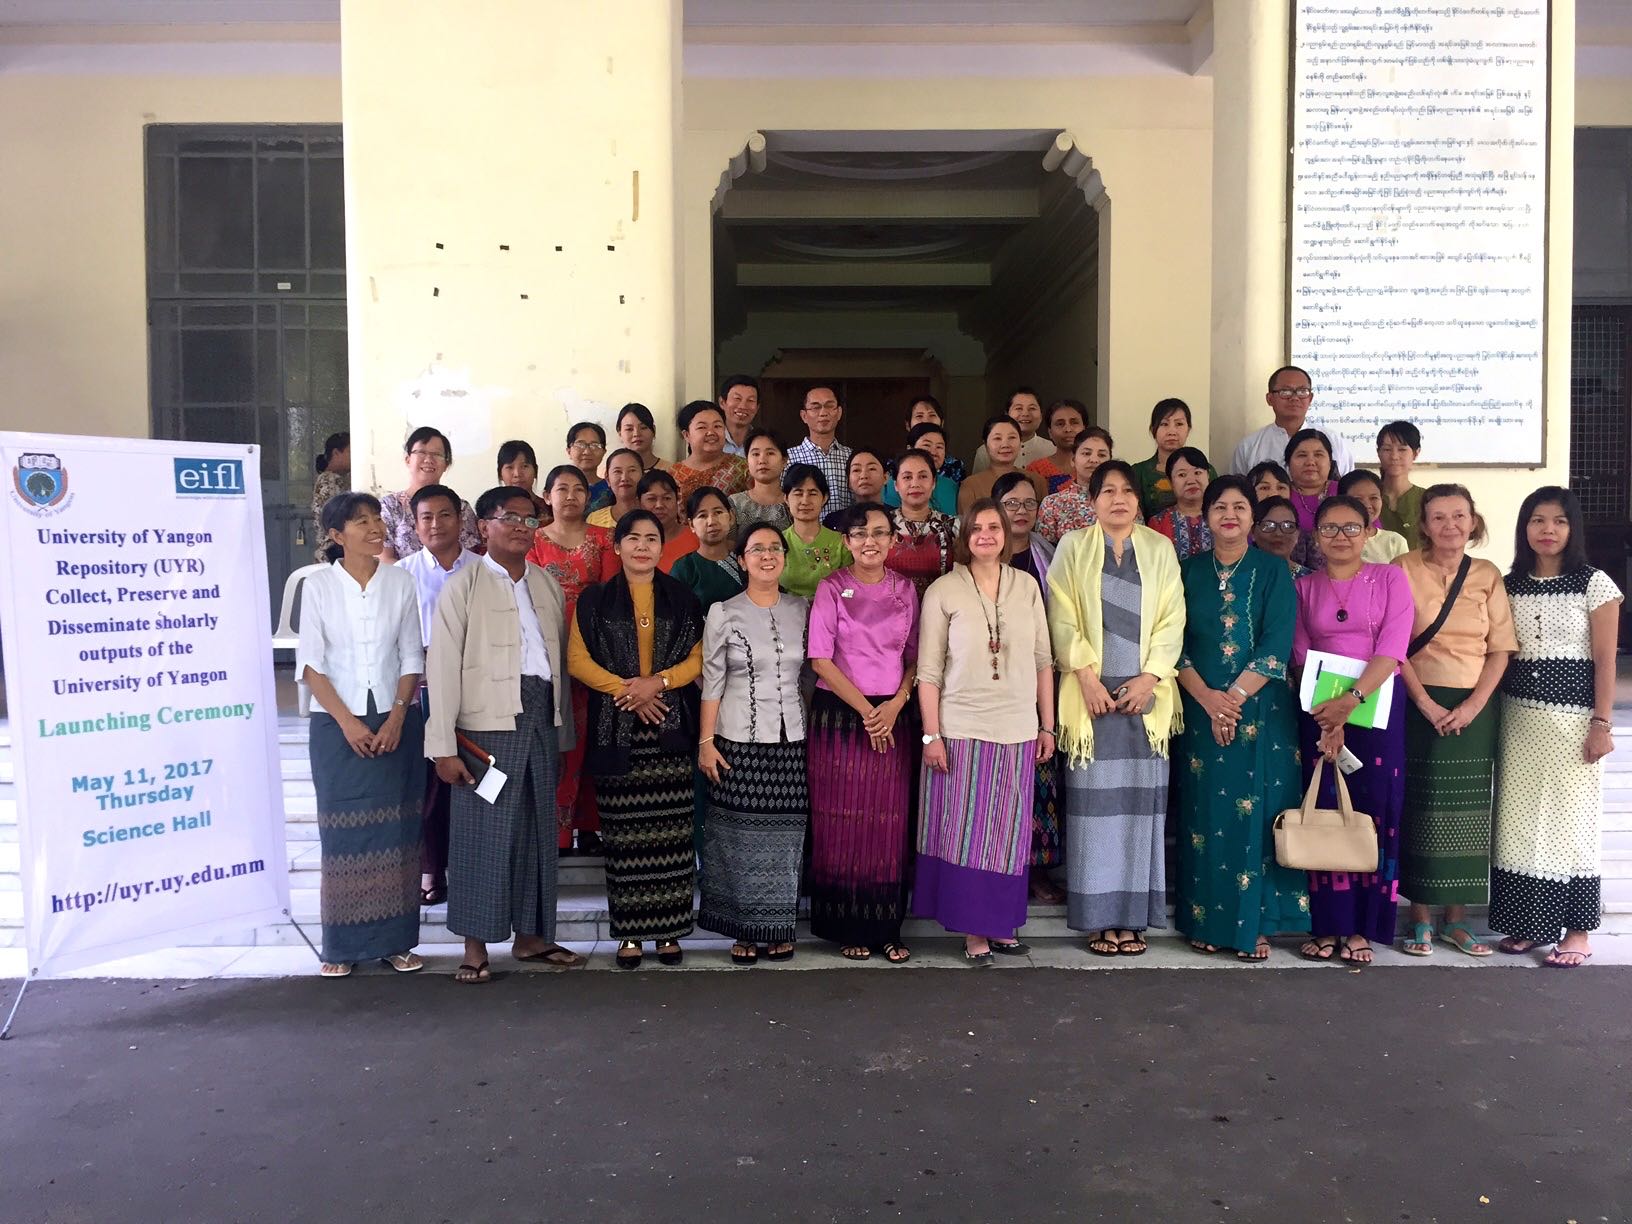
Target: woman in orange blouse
(1450, 725)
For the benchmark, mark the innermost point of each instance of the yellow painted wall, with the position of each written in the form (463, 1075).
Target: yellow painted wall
(1150, 138)
(73, 292)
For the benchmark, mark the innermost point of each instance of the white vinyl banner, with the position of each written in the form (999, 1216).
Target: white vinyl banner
(139, 693)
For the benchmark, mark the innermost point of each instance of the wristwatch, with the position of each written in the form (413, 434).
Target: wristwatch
(1357, 694)
(399, 702)
(930, 739)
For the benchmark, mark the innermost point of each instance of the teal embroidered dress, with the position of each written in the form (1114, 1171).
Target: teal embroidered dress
(1230, 889)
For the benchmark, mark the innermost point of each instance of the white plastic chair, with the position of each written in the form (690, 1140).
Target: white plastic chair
(287, 635)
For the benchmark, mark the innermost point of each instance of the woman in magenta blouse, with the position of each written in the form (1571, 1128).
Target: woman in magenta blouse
(1365, 612)
(863, 643)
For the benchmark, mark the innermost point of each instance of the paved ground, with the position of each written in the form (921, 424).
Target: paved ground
(952, 1094)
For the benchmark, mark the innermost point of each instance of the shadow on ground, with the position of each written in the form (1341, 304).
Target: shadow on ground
(942, 1095)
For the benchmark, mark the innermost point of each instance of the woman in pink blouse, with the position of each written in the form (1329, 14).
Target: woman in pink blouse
(1364, 612)
(863, 645)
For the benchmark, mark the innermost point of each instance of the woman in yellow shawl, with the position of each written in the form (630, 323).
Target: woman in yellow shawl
(1116, 616)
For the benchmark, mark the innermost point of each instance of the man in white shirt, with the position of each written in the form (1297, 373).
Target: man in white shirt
(1025, 410)
(1289, 396)
(497, 664)
(436, 521)
(739, 400)
(822, 413)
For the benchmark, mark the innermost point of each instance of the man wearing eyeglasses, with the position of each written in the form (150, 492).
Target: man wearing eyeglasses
(499, 642)
(1290, 394)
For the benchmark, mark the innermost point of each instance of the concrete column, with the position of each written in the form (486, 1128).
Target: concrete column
(1251, 70)
(512, 244)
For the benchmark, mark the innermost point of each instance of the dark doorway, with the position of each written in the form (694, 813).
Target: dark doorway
(246, 305)
(1601, 437)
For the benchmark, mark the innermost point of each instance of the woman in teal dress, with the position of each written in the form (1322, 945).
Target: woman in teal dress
(1239, 750)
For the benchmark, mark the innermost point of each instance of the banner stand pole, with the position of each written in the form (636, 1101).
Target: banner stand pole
(304, 936)
(15, 1004)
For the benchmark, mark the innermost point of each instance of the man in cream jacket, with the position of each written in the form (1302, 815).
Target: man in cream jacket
(497, 671)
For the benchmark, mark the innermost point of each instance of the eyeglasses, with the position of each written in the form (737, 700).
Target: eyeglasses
(586, 446)
(516, 520)
(1269, 527)
(421, 453)
(1292, 393)
(862, 533)
(1016, 503)
(764, 550)
(1332, 530)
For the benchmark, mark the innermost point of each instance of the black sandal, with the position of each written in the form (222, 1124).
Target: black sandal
(1103, 945)
(855, 952)
(744, 954)
(1013, 948)
(784, 955)
(628, 962)
(480, 975)
(1136, 946)
(434, 895)
(1324, 946)
(897, 953)
(670, 953)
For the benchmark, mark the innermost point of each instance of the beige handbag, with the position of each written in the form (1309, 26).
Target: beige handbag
(1318, 839)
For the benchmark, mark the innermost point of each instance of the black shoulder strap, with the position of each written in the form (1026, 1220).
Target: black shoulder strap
(1427, 635)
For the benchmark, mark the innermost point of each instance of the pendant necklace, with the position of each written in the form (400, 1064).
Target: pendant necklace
(1224, 576)
(994, 632)
(1342, 608)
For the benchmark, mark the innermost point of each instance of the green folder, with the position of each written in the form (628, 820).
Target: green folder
(1329, 684)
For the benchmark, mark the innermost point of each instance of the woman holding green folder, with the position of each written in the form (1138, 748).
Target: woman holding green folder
(1363, 611)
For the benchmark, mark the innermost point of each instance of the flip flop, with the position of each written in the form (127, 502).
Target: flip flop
(856, 953)
(335, 970)
(556, 956)
(1324, 951)
(748, 956)
(404, 962)
(1012, 948)
(1510, 946)
(1553, 963)
(1260, 952)
(483, 975)
(1352, 955)
(978, 959)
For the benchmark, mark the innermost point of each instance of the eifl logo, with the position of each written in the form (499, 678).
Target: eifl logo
(40, 483)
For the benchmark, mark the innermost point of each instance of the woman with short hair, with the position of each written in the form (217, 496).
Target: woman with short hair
(707, 462)
(362, 656)
(1382, 546)
(427, 455)
(1462, 639)
(1116, 612)
(1398, 445)
(863, 646)
(637, 644)
(1238, 764)
(751, 750)
(986, 698)
(1558, 701)
(1275, 530)
(517, 467)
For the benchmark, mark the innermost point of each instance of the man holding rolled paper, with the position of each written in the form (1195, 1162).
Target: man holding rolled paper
(499, 641)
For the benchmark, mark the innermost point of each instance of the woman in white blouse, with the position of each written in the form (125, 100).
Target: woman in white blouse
(361, 654)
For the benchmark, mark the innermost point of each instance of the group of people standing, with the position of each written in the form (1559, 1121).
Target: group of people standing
(904, 690)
